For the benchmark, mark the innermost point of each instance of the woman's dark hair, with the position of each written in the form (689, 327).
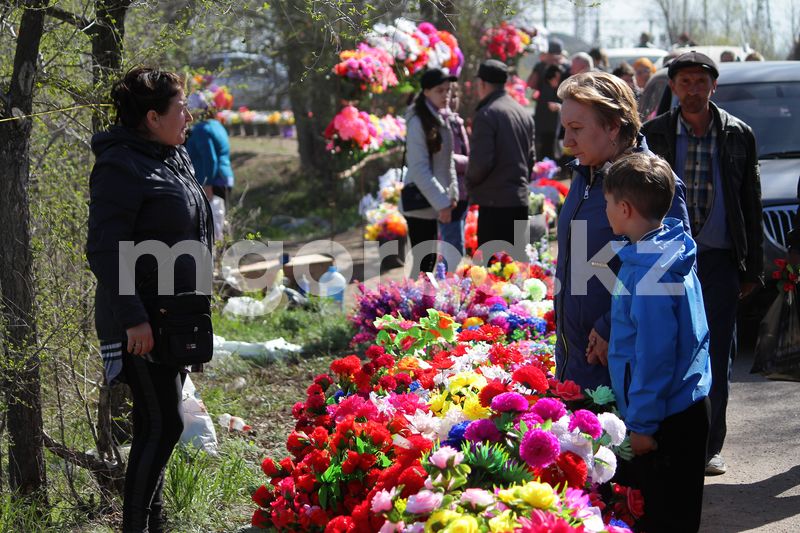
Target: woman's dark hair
(551, 72)
(143, 89)
(433, 137)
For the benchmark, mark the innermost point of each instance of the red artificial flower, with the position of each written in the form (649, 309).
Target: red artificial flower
(324, 381)
(262, 496)
(287, 464)
(486, 332)
(315, 403)
(490, 390)
(319, 437)
(351, 463)
(340, 524)
(532, 377)
(318, 460)
(566, 390)
(314, 389)
(569, 468)
(442, 361)
(306, 482)
(346, 366)
(297, 410)
(403, 380)
(425, 377)
(407, 343)
(260, 519)
(504, 355)
(388, 383)
(635, 503)
(412, 479)
(269, 467)
(384, 361)
(296, 441)
(781, 263)
(375, 351)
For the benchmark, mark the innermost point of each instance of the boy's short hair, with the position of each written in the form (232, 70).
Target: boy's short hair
(644, 180)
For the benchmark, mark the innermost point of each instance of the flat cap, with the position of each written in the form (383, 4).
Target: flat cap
(693, 59)
(493, 71)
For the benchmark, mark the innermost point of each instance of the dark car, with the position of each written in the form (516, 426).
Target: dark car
(765, 95)
(256, 81)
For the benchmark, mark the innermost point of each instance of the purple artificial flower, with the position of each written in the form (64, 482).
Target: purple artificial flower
(482, 430)
(587, 422)
(549, 409)
(539, 448)
(509, 401)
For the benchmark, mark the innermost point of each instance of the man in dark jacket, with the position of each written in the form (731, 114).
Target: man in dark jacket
(501, 158)
(715, 155)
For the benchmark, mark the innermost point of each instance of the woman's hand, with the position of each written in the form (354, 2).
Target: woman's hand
(554, 106)
(140, 339)
(446, 215)
(642, 444)
(597, 349)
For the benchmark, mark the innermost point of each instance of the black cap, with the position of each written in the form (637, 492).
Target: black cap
(555, 47)
(434, 77)
(692, 59)
(493, 71)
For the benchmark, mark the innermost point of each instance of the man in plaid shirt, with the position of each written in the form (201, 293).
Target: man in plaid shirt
(714, 153)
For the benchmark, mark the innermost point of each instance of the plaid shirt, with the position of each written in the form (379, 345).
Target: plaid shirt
(698, 173)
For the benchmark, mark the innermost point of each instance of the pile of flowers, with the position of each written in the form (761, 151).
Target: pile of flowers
(417, 47)
(511, 295)
(448, 427)
(247, 116)
(352, 130)
(204, 93)
(370, 68)
(385, 223)
(471, 230)
(505, 41)
(516, 87)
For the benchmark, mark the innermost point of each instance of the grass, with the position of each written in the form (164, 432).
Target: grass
(269, 183)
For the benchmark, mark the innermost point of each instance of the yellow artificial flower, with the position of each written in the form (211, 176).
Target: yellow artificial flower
(408, 363)
(507, 495)
(474, 410)
(439, 519)
(510, 269)
(473, 321)
(478, 275)
(503, 523)
(539, 495)
(438, 401)
(463, 524)
(465, 380)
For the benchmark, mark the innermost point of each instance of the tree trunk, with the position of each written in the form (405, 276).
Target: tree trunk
(107, 37)
(22, 382)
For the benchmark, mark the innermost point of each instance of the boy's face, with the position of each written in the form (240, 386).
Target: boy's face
(617, 213)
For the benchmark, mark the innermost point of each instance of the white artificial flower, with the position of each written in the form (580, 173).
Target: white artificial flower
(605, 465)
(535, 288)
(576, 443)
(453, 416)
(382, 404)
(496, 372)
(425, 424)
(511, 292)
(592, 520)
(613, 426)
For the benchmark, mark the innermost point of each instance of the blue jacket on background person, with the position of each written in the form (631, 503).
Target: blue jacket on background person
(577, 314)
(658, 352)
(210, 150)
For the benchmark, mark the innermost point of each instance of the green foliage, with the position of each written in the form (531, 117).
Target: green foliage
(199, 488)
(19, 514)
(320, 328)
(491, 465)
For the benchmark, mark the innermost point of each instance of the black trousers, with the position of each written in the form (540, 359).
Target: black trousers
(719, 279)
(423, 234)
(545, 145)
(673, 472)
(157, 427)
(497, 224)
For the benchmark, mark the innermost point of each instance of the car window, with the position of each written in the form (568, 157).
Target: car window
(771, 109)
(651, 97)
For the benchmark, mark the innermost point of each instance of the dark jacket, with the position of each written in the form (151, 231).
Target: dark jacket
(502, 152)
(581, 309)
(740, 177)
(140, 190)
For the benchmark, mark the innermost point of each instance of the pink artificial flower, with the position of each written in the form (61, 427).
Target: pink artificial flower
(587, 422)
(549, 409)
(383, 500)
(441, 457)
(509, 401)
(477, 498)
(539, 448)
(530, 419)
(482, 430)
(424, 502)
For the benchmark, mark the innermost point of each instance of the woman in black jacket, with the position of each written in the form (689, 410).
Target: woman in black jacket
(143, 189)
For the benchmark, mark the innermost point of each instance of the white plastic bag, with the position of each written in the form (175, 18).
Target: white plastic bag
(218, 215)
(198, 428)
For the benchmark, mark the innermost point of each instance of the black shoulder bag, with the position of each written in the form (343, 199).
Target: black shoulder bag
(182, 328)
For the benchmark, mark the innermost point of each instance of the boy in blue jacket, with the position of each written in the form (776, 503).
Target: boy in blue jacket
(658, 350)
